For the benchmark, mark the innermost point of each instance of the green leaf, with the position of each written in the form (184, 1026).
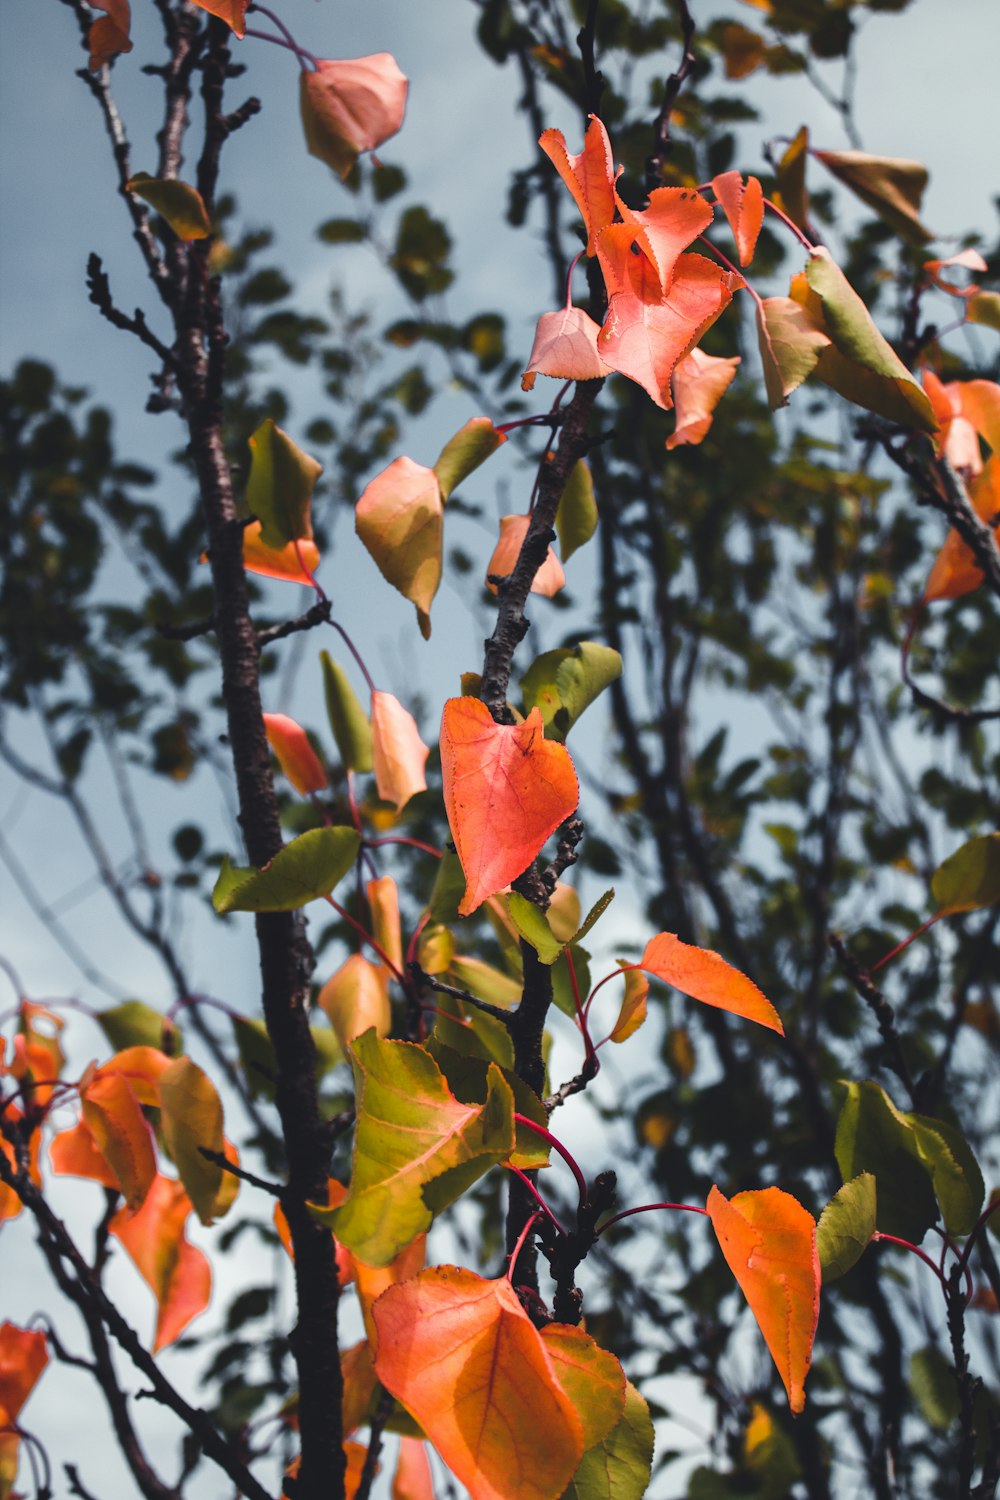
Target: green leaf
(576, 517)
(342, 231)
(468, 1078)
(308, 867)
(352, 728)
(970, 878)
(932, 1381)
(411, 1130)
(462, 454)
(328, 1050)
(191, 1117)
(483, 980)
(984, 308)
(448, 890)
(180, 204)
(594, 915)
(563, 683)
(562, 987)
(618, 1468)
(533, 926)
(958, 1182)
(469, 1032)
(846, 1226)
(279, 490)
(790, 346)
(892, 186)
(135, 1024)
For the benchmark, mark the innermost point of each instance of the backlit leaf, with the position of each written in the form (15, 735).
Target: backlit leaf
(350, 724)
(565, 682)
(790, 344)
(955, 571)
(191, 1117)
(74, 1153)
(306, 868)
(176, 1271)
(177, 202)
(400, 519)
(707, 977)
(467, 1075)
(413, 1479)
(618, 1468)
(119, 1131)
(958, 436)
(969, 879)
(383, 903)
(411, 1130)
(565, 347)
(399, 753)
(663, 230)
(890, 185)
(550, 577)
(351, 105)
(533, 926)
(590, 176)
(295, 754)
(461, 455)
(577, 516)
(133, 1023)
(969, 260)
(984, 308)
(846, 1226)
(295, 562)
(230, 11)
(371, 1281)
(506, 789)
(743, 204)
(790, 194)
(699, 383)
(769, 1241)
(280, 486)
(355, 998)
(633, 1008)
(23, 1357)
(591, 1377)
(463, 1357)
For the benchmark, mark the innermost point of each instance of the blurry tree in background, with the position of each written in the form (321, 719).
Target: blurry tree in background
(792, 634)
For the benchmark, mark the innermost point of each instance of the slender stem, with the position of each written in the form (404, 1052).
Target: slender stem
(688, 1208)
(607, 980)
(529, 1226)
(354, 652)
(589, 1048)
(401, 839)
(790, 224)
(366, 936)
(534, 1193)
(892, 1239)
(290, 42)
(733, 270)
(546, 1135)
(906, 942)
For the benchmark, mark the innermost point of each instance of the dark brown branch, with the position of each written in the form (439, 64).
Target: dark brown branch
(221, 1160)
(880, 1008)
(380, 1416)
(565, 1252)
(573, 1086)
(676, 81)
(99, 292)
(317, 614)
(430, 982)
(593, 78)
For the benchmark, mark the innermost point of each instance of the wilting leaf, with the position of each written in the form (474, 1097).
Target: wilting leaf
(550, 577)
(955, 571)
(410, 1131)
(351, 105)
(295, 562)
(565, 347)
(400, 754)
(893, 187)
(177, 1271)
(119, 1131)
(350, 724)
(577, 515)
(859, 364)
(400, 519)
(699, 383)
(295, 755)
(743, 204)
(465, 1360)
(590, 176)
(177, 202)
(109, 34)
(565, 682)
(618, 1467)
(355, 998)
(230, 11)
(969, 260)
(23, 1357)
(506, 789)
(707, 977)
(846, 1226)
(633, 1008)
(769, 1241)
(306, 868)
(280, 486)
(790, 345)
(790, 194)
(646, 330)
(969, 879)
(191, 1117)
(461, 455)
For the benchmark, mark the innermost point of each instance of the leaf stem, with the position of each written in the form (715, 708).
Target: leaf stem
(893, 1239)
(289, 41)
(534, 1193)
(906, 942)
(803, 239)
(366, 936)
(571, 1162)
(645, 1208)
(520, 1242)
(352, 648)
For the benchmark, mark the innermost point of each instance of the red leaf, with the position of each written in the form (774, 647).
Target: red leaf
(506, 788)
(699, 383)
(769, 1241)
(675, 217)
(177, 1271)
(400, 753)
(550, 577)
(23, 1357)
(590, 176)
(744, 208)
(707, 977)
(351, 105)
(295, 754)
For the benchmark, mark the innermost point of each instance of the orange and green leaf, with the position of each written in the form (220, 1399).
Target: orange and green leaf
(355, 998)
(177, 1272)
(550, 577)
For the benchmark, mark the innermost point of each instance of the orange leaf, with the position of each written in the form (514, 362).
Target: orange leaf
(769, 1241)
(565, 347)
(506, 788)
(955, 571)
(400, 753)
(177, 1271)
(590, 176)
(230, 11)
(961, 445)
(744, 208)
(38, 1055)
(109, 34)
(121, 1134)
(356, 997)
(674, 218)
(969, 260)
(699, 383)
(294, 562)
(550, 577)
(74, 1153)
(357, 1374)
(336, 1192)
(295, 754)
(705, 976)
(10, 1203)
(23, 1357)
(981, 404)
(647, 331)
(356, 1455)
(383, 903)
(742, 50)
(413, 1479)
(351, 105)
(465, 1359)
(372, 1281)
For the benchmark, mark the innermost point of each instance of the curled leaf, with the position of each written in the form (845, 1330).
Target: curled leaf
(294, 562)
(295, 754)
(590, 176)
(280, 486)
(233, 12)
(577, 515)
(550, 577)
(400, 754)
(462, 454)
(176, 1271)
(351, 105)
(699, 383)
(892, 186)
(180, 204)
(191, 1118)
(846, 1226)
(350, 724)
(743, 204)
(108, 36)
